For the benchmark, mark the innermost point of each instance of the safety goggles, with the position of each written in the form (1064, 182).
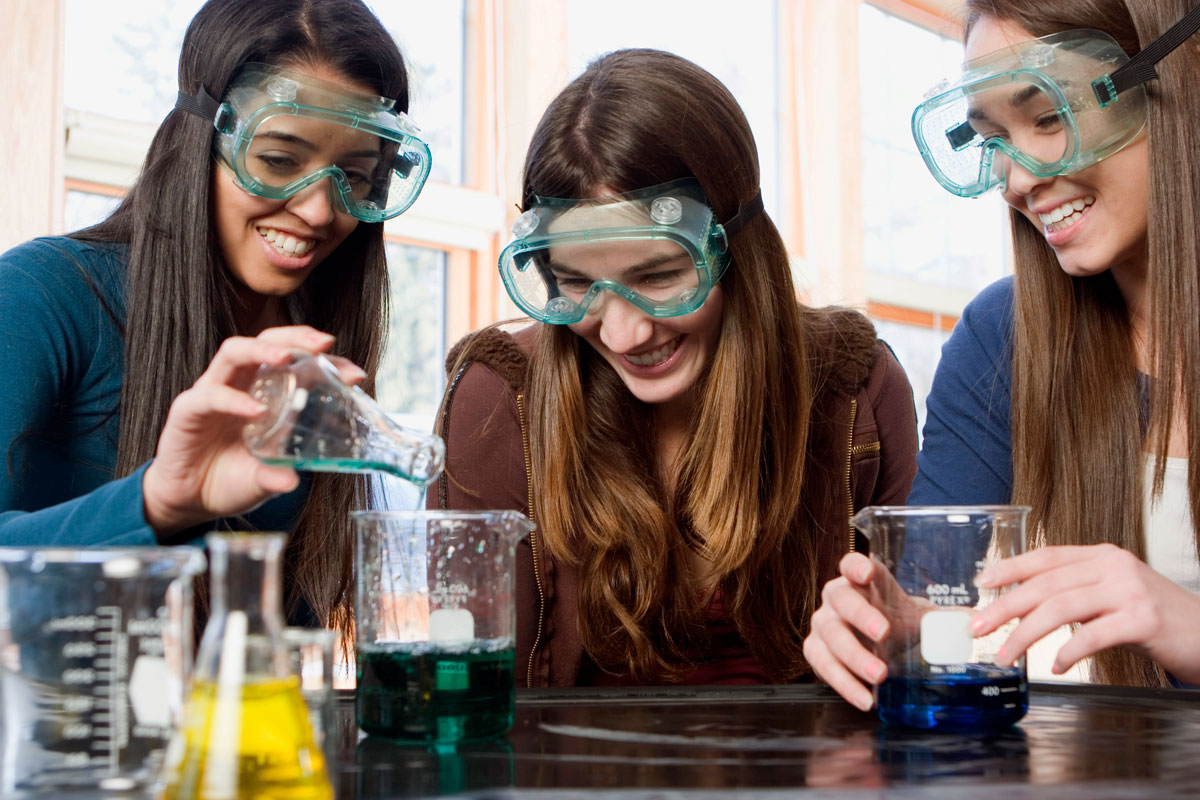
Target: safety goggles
(661, 249)
(1052, 106)
(280, 131)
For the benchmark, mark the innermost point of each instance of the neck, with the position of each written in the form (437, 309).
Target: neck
(1130, 277)
(257, 312)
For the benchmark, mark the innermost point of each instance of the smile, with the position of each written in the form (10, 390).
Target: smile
(655, 357)
(1066, 215)
(285, 243)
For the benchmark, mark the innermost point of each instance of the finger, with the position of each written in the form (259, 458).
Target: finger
(834, 673)
(238, 355)
(276, 479)
(203, 401)
(350, 373)
(1032, 593)
(303, 337)
(1026, 565)
(846, 602)
(1078, 605)
(857, 568)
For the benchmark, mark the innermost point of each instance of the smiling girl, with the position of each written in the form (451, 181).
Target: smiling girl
(254, 229)
(1070, 387)
(690, 441)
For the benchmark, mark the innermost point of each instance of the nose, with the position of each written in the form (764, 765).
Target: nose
(314, 204)
(1019, 182)
(623, 326)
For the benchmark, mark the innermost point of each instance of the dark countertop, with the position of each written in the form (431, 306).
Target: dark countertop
(771, 742)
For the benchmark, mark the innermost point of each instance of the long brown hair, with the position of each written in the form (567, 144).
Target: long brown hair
(1078, 430)
(637, 118)
(181, 297)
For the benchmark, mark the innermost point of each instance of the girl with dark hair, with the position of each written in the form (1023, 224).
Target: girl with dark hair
(255, 228)
(689, 440)
(1071, 387)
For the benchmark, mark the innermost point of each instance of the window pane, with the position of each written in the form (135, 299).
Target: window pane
(431, 37)
(918, 350)
(411, 374)
(913, 227)
(84, 209)
(738, 47)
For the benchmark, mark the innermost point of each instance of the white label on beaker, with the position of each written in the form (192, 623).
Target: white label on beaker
(451, 625)
(944, 637)
(148, 691)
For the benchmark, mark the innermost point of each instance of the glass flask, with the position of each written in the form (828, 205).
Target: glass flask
(314, 421)
(246, 731)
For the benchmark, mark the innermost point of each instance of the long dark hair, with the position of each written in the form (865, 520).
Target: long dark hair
(637, 118)
(181, 295)
(1077, 425)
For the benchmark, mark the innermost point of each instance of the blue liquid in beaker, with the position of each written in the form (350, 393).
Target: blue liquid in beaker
(978, 698)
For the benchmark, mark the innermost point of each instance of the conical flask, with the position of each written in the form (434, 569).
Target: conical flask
(314, 421)
(246, 731)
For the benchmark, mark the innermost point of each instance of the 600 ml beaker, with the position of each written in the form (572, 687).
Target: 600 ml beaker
(938, 675)
(94, 648)
(435, 619)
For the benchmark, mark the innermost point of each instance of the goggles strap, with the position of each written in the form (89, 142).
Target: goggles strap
(746, 213)
(201, 104)
(1140, 68)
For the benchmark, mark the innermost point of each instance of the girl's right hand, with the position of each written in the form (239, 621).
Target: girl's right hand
(201, 468)
(850, 612)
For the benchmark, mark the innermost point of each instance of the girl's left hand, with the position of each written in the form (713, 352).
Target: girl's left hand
(1120, 601)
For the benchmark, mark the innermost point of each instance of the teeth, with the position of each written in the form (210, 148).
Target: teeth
(655, 356)
(286, 244)
(1067, 214)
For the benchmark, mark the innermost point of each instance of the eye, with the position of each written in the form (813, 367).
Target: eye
(1048, 123)
(572, 283)
(279, 163)
(666, 277)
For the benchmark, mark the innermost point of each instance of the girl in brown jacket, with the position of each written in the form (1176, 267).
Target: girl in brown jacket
(690, 441)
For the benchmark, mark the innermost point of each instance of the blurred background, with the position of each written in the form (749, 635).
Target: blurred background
(828, 86)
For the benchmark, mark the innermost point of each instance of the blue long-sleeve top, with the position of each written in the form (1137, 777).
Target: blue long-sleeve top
(62, 311)
(966, 452)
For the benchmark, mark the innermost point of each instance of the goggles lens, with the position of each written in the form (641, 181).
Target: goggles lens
(1032, 106)
(280, 132)
(658, 248)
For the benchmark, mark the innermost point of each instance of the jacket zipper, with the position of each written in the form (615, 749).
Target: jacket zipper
(849, 462)
(537, 573)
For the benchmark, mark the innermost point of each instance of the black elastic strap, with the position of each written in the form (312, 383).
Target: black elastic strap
(200, 104)
(1140, 68)
(746, 213)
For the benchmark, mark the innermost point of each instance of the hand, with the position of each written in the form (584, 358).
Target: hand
(1117, 597)
(201, 469)
(851, 609)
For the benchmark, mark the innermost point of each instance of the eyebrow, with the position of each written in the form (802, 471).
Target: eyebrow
(1016, 101)
(650, 263)
(299, 141)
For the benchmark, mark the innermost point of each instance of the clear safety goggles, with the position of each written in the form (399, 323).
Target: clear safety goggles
(659, 248)
(1052, 106)
(280, 131)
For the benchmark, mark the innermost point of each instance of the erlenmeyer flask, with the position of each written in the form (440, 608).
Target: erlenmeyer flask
(314, 421)
(246, 732)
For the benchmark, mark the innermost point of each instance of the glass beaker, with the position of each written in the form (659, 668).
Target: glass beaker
(246, 731)
(938, 675)
(314, 421)
(435, 623)
(95, 644)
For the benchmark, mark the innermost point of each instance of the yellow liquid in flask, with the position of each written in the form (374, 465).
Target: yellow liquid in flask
(254, 745)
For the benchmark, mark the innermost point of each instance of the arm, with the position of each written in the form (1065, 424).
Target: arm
(485, 457)
(966, 455)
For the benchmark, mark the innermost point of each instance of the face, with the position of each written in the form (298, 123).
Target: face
(272, 246)
(660, 359)
(1094, 219)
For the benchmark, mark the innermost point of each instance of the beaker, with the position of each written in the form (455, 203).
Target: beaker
(938, 675)
(314, 421)
(435, 620)
(95, 644)
(246, 731)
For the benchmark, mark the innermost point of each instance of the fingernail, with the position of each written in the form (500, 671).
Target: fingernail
(984, 579)
(874, 630)
(865, 705)
(1002, 657)
(976, 625)
(322, 338)
(872, 671)
(863, 575)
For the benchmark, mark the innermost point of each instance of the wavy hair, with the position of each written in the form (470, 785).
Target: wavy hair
(1077, 422)
(637, 118)
(181, 296)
